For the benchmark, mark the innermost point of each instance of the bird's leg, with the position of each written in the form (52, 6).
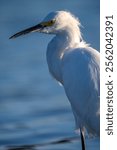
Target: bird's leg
(82, 139)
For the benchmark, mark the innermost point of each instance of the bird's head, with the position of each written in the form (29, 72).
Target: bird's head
(54, 22)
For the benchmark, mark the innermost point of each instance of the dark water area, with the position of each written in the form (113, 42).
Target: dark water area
(35, 113)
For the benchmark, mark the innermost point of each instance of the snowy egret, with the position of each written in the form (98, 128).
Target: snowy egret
(75, 65)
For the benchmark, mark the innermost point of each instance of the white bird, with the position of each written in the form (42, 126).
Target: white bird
(75, 65)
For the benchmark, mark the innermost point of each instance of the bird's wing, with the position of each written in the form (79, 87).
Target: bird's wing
(81, 81)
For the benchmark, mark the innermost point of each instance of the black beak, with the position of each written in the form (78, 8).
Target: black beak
(29, 30)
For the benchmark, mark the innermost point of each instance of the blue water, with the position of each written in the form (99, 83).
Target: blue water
(34, 111)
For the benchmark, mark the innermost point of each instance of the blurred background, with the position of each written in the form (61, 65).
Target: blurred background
(34, 110)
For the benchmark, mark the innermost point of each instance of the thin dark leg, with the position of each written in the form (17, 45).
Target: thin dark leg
(82, 140)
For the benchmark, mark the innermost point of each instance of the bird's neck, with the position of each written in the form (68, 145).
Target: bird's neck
(64, 40)
(70, 36)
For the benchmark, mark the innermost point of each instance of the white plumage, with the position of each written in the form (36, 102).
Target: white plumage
(77, 67)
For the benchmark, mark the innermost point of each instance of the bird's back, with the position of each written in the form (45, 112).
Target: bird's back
(81, 81)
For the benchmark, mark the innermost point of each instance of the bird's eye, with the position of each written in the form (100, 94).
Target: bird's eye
(49, 23)
(52, 21)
